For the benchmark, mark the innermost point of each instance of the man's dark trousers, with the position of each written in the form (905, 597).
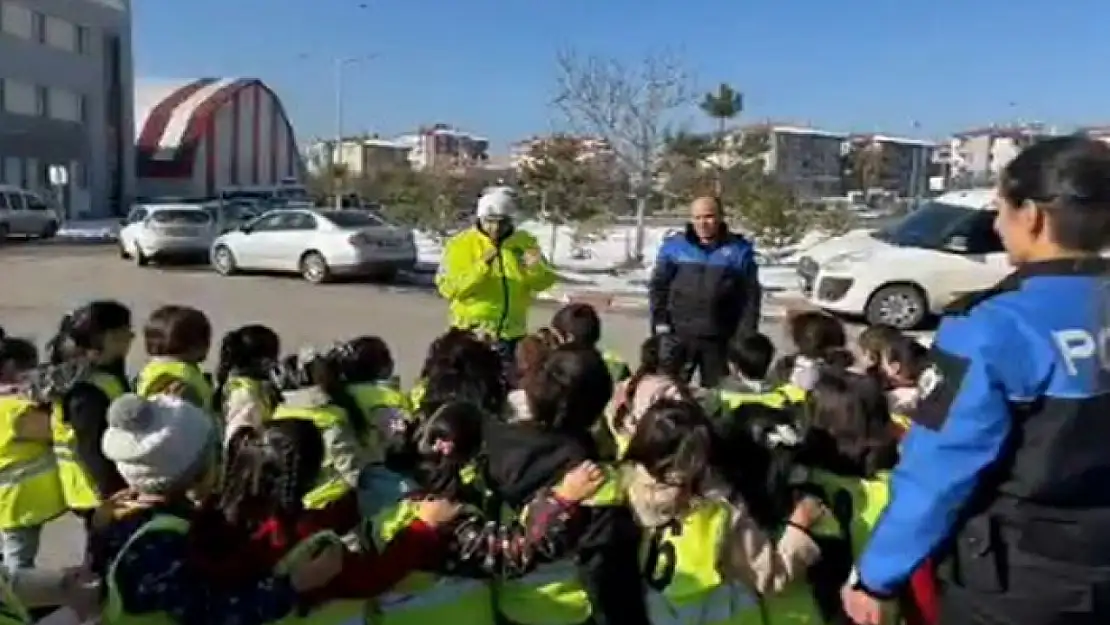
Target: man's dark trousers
(709, 358)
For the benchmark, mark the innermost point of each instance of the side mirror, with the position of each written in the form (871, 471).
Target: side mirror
(123, 222)
(244, 229)
(957, 244)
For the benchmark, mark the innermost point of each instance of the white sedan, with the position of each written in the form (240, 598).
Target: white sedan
(317, 244)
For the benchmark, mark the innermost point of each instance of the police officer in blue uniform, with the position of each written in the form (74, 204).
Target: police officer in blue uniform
(1005, 474)
(705, 289)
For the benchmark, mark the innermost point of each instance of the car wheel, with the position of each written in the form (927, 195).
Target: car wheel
(223, 261)
(139, 257)
(902, 306)
(5, 232)
(49, 230)
(314, 268)
(123, 251)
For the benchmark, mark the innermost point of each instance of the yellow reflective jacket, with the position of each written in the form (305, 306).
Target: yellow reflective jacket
(491, 297)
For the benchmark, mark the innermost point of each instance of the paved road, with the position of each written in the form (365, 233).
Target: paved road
(40, 283)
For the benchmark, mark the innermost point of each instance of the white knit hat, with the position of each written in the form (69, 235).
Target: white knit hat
(158, 442)
(497, 202)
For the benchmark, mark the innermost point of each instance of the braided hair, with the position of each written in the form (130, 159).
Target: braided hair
(267, 473)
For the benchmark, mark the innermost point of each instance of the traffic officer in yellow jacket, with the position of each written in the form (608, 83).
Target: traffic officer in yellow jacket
(96, 338)
(491, 272)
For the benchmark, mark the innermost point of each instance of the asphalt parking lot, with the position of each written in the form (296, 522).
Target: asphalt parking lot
(40, 283)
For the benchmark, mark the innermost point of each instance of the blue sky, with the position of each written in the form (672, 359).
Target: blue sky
(487, 66)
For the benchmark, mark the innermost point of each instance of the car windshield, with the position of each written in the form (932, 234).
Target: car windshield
(928, 226)
(181, 217)
(353, 219)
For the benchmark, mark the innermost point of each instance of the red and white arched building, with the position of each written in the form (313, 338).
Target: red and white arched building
(195, 138)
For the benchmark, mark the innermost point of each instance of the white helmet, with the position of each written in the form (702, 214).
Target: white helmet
(497, 202)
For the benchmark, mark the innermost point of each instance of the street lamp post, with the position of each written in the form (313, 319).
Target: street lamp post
(340, 65)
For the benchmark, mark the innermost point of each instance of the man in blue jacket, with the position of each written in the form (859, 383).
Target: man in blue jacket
(1005, 473)
(705, 289)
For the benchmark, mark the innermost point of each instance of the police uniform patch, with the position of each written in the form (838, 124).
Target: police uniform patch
(938, 387)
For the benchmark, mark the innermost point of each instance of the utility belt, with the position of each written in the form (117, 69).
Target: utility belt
(1011, 535)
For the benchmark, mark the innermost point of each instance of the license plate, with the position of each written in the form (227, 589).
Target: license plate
(182, 232)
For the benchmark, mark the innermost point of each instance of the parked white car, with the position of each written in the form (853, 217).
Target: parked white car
(25, 214)
(317, 244)
(900, 274)
(157, 232)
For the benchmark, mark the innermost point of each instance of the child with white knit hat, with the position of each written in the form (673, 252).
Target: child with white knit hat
(166, 449)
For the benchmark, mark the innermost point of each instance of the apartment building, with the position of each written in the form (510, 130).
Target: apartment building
(901, 165)
(441, 145)
(976, 156)
(807, 160)
(359, 156)
(66, 83)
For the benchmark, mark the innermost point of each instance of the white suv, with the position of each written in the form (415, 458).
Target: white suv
(25, 214)
(155, 232)
(900, 274)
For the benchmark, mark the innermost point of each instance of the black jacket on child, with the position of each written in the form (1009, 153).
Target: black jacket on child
(523, 459)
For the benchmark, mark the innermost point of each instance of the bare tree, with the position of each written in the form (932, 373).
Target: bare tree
(630, 107)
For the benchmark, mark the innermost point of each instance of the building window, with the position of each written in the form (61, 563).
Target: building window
(78, 175)
(64, 105)
(17, 20)
(60, 34)
(20, 98)
(12, 172)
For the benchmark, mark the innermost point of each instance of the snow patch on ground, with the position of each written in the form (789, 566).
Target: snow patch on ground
(90, 230)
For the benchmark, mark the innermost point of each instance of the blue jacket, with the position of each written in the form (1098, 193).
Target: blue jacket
(706, 291)
(1012, 418)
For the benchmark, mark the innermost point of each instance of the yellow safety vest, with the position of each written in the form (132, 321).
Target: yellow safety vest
(252, 386)
(680, 564)
(855, 504)
(425, 598)
(330, 485)
(77, 487)
(189, 373)
(618, 367)
(114, 610)
(902, 421)
(778, 398)
(416, 394)
(332, 612)
(30, 491)
(12, 611)
(553, 594)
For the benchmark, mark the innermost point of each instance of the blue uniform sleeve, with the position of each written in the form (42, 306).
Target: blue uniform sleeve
(960, 427)
(659, 288)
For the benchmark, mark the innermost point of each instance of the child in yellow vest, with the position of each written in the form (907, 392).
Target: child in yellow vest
(848, 449)
(246, 392)
(177, 339)
(167, 450)
(706, 553)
